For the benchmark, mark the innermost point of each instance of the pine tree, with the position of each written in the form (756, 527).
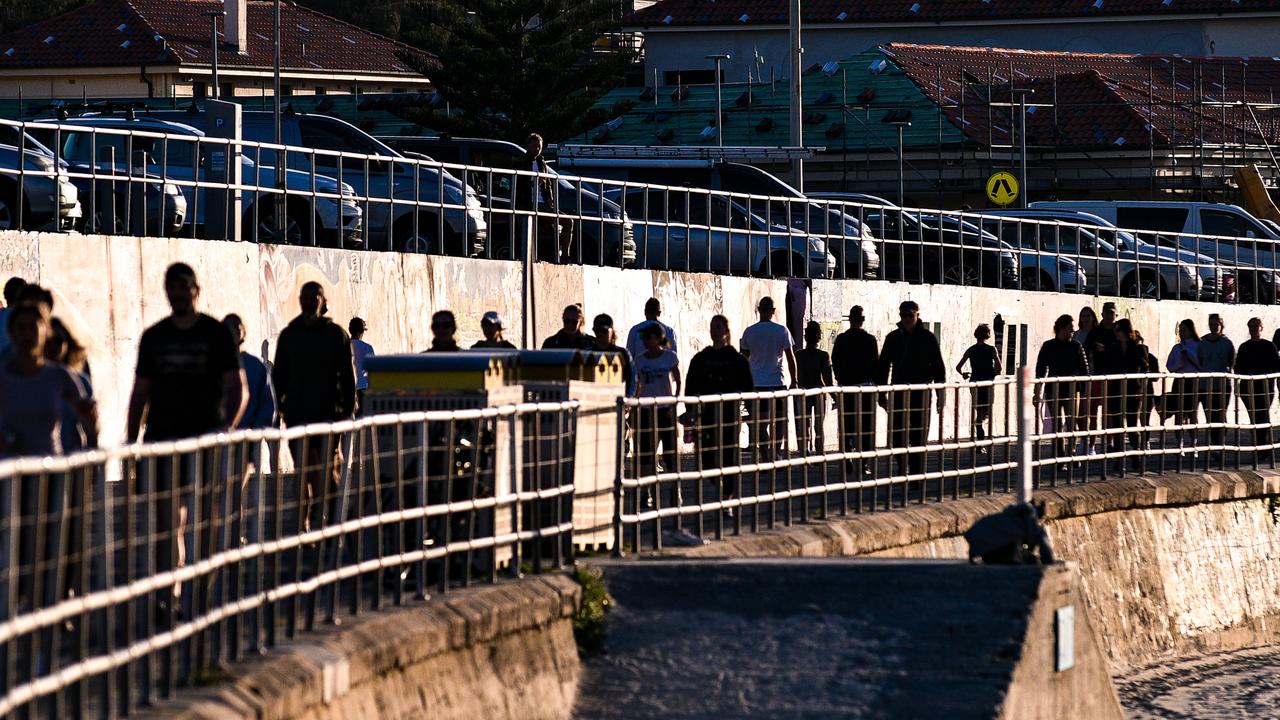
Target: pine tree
(15, 14)
(510, 67)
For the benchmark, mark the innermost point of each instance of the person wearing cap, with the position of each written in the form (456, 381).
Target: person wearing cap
(911, 356)
(607, 341)
(652, 311)
(854, 359)
(362, 352)
(492, 326)
(765, 345)
(570, 336)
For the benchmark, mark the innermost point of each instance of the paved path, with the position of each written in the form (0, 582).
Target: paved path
(1243, 684)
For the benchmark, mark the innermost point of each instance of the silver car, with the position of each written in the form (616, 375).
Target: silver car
(36, 193)
(710, 232)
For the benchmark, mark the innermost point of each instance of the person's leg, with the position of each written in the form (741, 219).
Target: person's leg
(669, 438)
(818, 416)
(778, 431)
(918, 429)
(865, 426)
(898, 423)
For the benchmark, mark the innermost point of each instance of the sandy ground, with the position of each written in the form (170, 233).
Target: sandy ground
(1243, 684)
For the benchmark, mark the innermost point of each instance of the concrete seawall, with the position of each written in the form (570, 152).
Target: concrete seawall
(503, 653)
(109, 289)
(1170, 566)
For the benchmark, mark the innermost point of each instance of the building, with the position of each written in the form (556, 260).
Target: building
(161, 49)
(678, 34)
(1122, 125)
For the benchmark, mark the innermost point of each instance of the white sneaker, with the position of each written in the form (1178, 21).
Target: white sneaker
(1093, 451)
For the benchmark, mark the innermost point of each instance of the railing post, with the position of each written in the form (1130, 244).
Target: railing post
(621, 458)
(1026, 421)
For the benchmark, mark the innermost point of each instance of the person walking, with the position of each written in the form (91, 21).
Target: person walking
(984, 366)
(34, 390)
(1062, 356)
(1091, 402)
(444, 332)
(553, 233)
(814, 366)
(492, 326)
(1181, 401)
(717, 370)
(855, 360)
(765, 345)
(1217, 355)
(1258, 357)
(657, 376)
(260, 408)
(188, 382)
(911, 355)
(315, 378)
(570, 336)
(12, 289)
(361, 351)
(652, 311)
(607, 342)
(63, 348)
(1126, 398)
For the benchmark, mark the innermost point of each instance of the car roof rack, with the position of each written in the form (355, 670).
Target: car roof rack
(745, 153)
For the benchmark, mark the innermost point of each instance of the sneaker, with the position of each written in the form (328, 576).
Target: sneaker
(1092, 451)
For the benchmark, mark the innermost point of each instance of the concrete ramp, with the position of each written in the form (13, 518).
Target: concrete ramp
(842, 639)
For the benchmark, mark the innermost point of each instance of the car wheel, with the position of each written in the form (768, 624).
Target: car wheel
(778, 262)
(957, 275)
(1038, 281)
(296, 230)
(1145, 286)
(422, 239)
(8, 211)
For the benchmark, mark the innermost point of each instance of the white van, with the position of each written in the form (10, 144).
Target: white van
(1226, 233)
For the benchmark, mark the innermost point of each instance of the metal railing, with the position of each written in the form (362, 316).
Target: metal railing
(134, 571)
(149, 179)
(711, 466)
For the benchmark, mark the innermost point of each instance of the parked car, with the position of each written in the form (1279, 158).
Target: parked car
(1227, 234)
(337, 223)
(851, 243)
(1119, 263)
(117, 198)
(409, 206)
(710, 232)
(602, 230)
(36, 192)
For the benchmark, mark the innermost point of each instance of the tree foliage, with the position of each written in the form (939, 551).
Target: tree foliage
(15, 14)
(510, 67)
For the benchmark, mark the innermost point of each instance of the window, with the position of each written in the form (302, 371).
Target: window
(1220, 222)
(1156, 219)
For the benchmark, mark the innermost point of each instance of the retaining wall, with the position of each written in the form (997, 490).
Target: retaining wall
(1171, 566)
(504, 652)
(109, 289)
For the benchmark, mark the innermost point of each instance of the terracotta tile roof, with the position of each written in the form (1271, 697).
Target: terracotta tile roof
(168, 32)
(855, 12)
(1098, 99)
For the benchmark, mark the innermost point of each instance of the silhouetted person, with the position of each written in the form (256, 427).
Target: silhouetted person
(855, 361)
(765, 345)
(607, 341)
(1217, 355)
(911, 356)
(814, 368)
(1126, 398)
(1012, 536)
(315, 378)
(492, 326)
(984, 366)
(716, 370)
(570, 336)
(541, 193)
(361, 351)
(657, 376)
(1062, 357)
(444, 332)
(652, 311)
(1258, 357)
(12, 287)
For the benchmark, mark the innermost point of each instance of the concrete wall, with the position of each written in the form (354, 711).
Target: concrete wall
(109, 290)
(504, 652)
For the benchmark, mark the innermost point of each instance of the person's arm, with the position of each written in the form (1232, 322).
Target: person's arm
(963, 359)
(837, 360)
(827, 375)
(81, 400)
(280, 370)
(995, 356)
(235, 396)
(138, 402)
(266, 403)
(884, 362)
(675, 377)
(791, 366)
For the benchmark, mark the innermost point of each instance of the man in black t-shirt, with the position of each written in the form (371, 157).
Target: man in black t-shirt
(855, 360)
(717, 370)
(188, 382)
(570, 336)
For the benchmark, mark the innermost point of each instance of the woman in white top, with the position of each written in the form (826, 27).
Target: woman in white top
(657, 375)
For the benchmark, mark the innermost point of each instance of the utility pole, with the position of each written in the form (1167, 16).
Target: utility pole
(902, 184)
(797, 101)
(213, 16)
(281, 161)
(1022, 144)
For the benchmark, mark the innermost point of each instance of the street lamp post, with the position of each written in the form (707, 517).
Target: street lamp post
(901, 125)
(213, 16)
(1022, 143)
(796, 61)
(281, 167)
(719, 58)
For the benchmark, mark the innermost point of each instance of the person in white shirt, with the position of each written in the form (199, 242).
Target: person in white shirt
(362, 352)
(652, 311)
(657, 375)
(765, 345)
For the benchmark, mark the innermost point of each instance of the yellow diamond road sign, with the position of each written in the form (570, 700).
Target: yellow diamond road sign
(1002, 188)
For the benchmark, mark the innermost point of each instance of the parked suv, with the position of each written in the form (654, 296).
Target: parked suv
(849, 241)
(701, 232)
(36, 187)
(1238, 239)
(1119, 263)
(402, 200)
(337, 223)
(601, 227)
